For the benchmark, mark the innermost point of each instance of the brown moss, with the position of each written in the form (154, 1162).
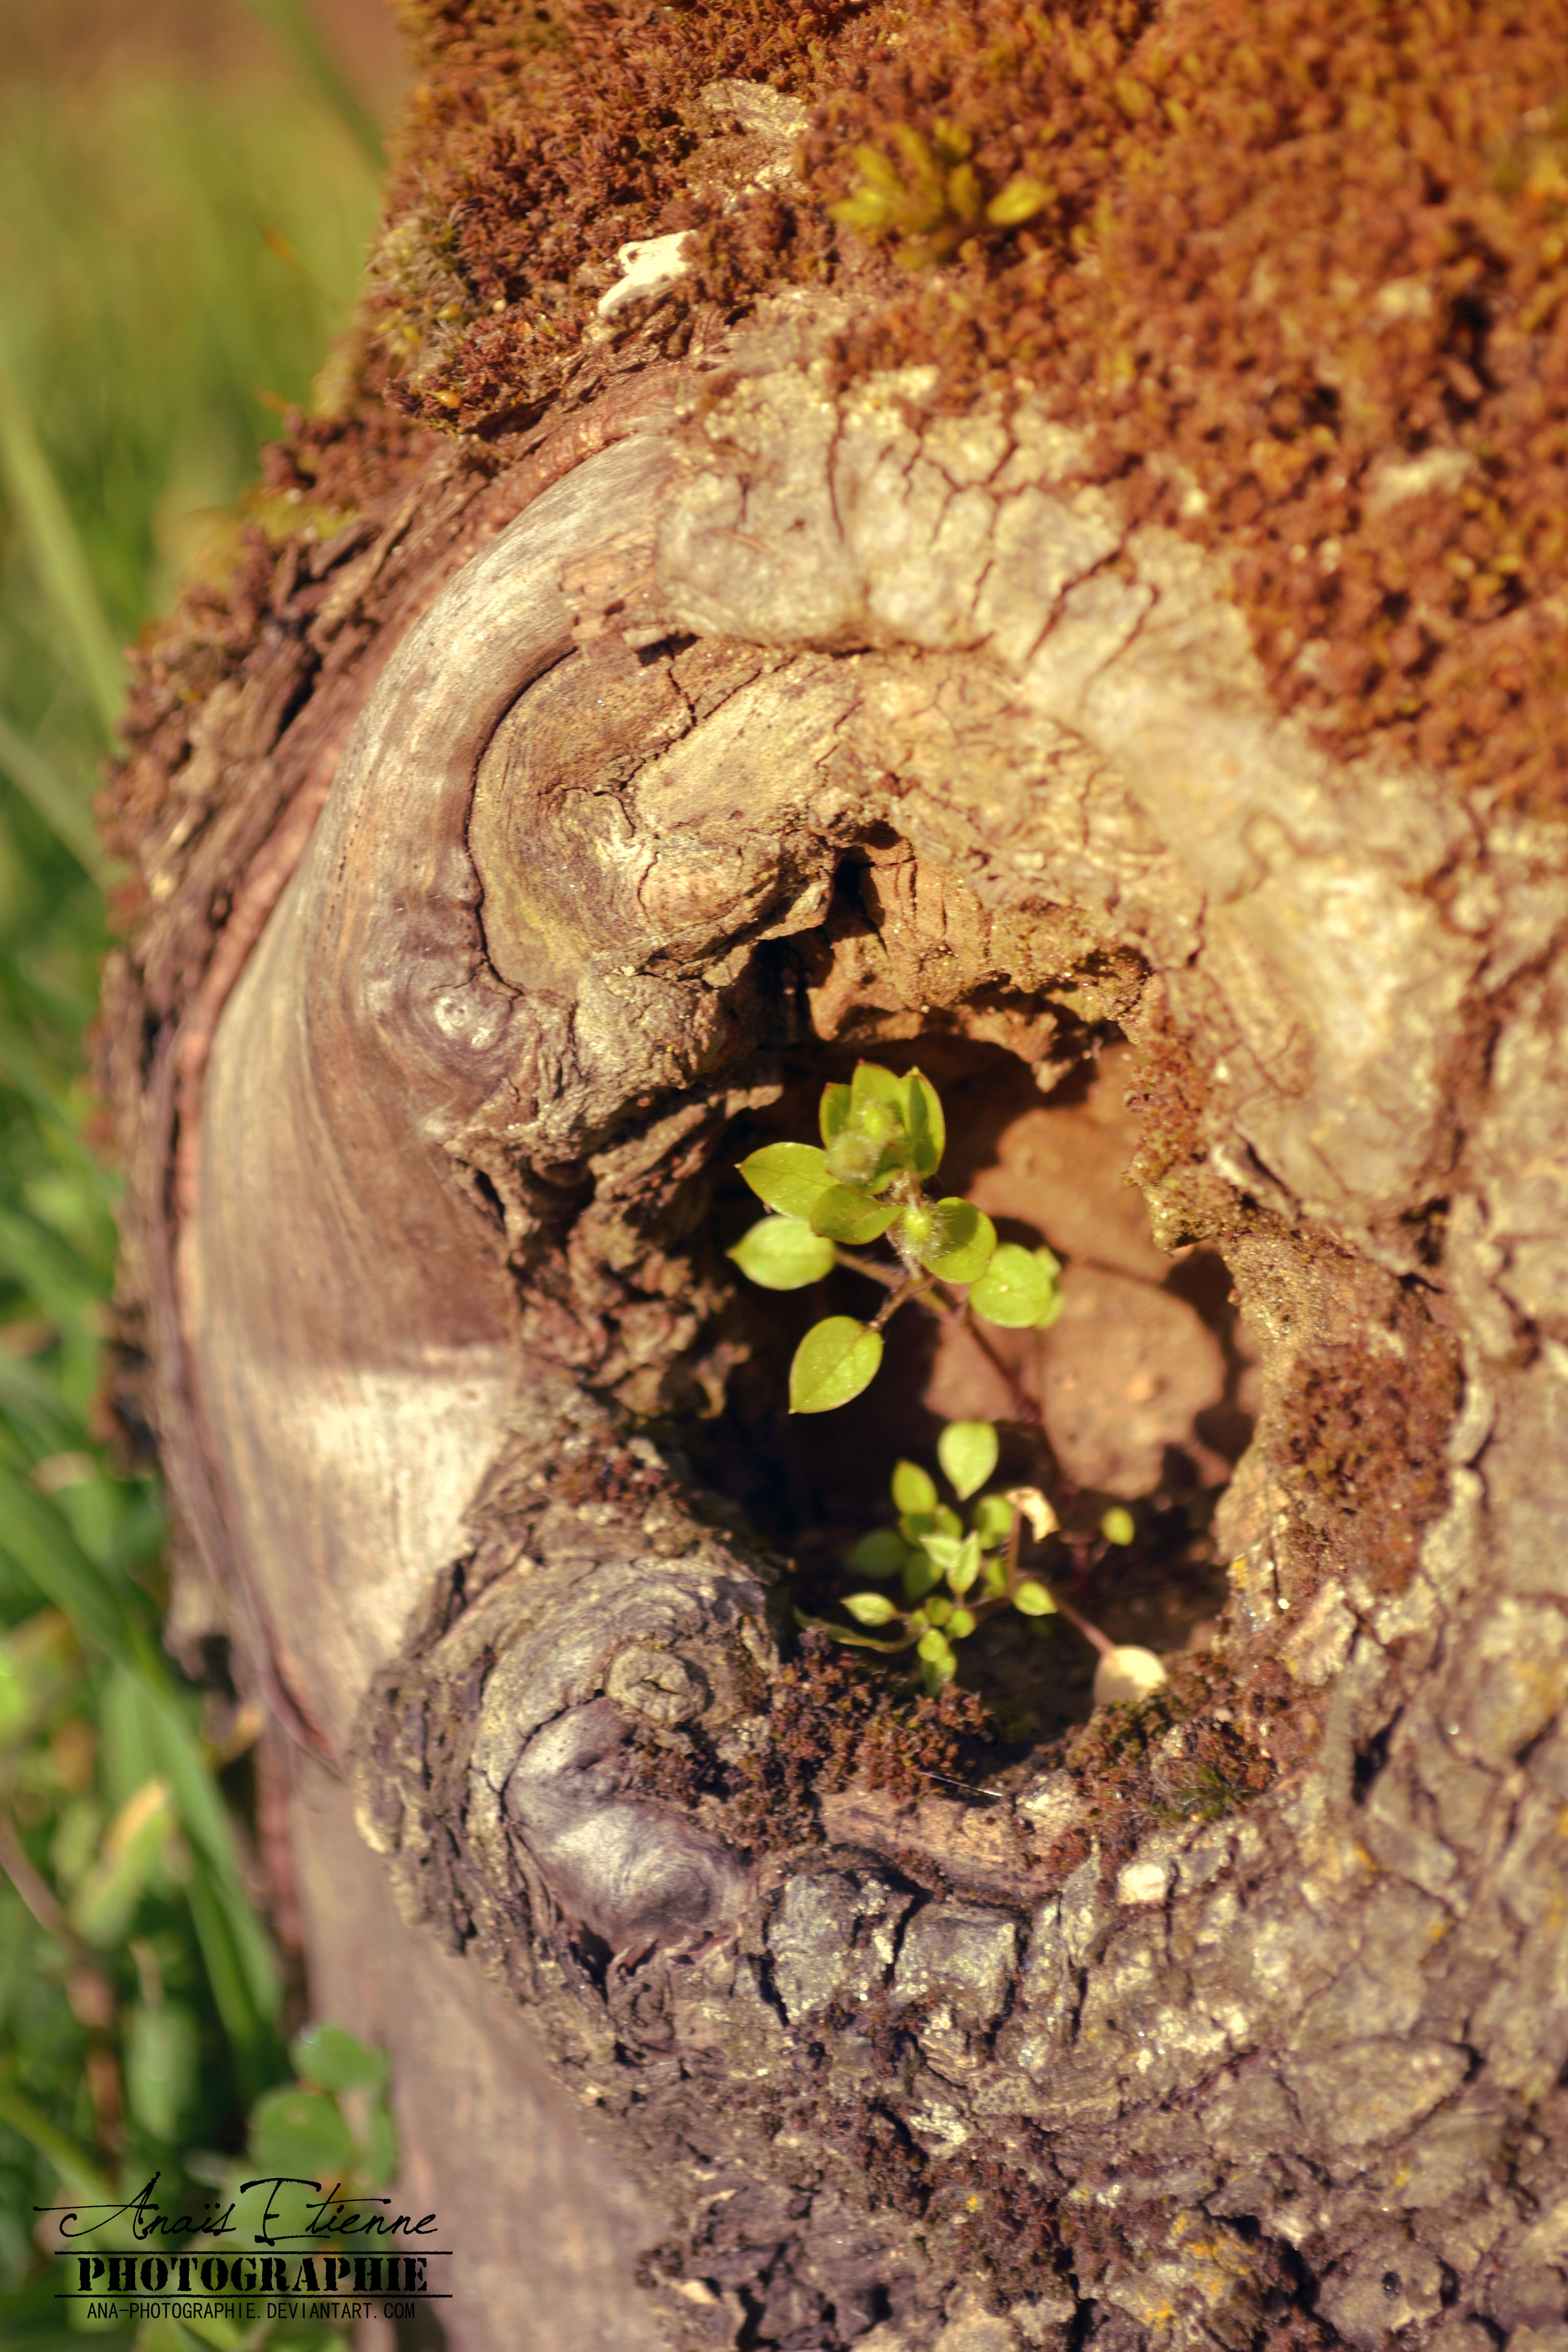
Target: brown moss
(1362, 1438)
(832, 1721)
(1208, 1741)
(1281, 247)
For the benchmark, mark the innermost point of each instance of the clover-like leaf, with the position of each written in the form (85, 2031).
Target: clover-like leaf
(844, 1215)
(960, 1243)
(943, 1549)
(881, 1553)
(1032, 1599)
(784, 1253)
(833, 1117)
(938, 1611)
(837, 1358)
(967, 1451)
(961, 1622)
(924, 1124)
(870, 1608)
(790, 1177)
(914, 1490)
(1018, 1289)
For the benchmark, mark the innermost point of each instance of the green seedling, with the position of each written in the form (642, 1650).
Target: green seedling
(949, 1577)
(868, 1181)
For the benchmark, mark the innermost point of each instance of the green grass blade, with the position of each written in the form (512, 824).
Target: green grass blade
(70, 2160)
(44, 521)
(63, 809)
(294, 26)
(35, 1538)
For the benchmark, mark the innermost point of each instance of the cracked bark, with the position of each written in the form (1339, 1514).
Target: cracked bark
(755, 726)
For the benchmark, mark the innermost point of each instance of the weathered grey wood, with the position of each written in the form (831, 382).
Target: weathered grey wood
(492, 1038)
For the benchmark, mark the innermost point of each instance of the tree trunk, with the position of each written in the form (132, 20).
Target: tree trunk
(728, 730)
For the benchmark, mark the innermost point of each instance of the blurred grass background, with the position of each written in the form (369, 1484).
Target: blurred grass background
(187, 191)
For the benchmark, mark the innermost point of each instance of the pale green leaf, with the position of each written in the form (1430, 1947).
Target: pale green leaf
(914, 1490)
(870, 1608)
(967, 1451)
(961, 1622)
(966, 1567)
(844, 1215)
(837, 1358)
(784, 1253)
(1119, 1526)
(961, 1243)
(925, 1122)
(790, 1177)
(1033, 1600)
(834, 1114)
(993, 1518)
(943, 1549)
(1018, 1289)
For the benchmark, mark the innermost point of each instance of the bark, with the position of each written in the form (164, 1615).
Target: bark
(763, 725)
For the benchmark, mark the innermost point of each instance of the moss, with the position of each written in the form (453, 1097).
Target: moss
(832, 1720)
(1207, 1742)
(1269, 250)
(1361, 1436)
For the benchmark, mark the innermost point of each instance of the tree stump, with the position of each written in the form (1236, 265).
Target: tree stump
(538, 840)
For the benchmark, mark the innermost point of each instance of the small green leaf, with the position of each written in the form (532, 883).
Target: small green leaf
(923, 1120)
(1033, 1600)
(935, 1653)
(996, 1579)
(848, 1216)
(837, 1358)
(881, 1553)
(962, 1244)
(993, 1518)
(330, 2055)
(871, 1083)
(1018, 1289)
(914, 1490)
(966, 1567)
(943, 1549)
(783, 1253)
(967, 1451)
(920, 1576)
(1119, 1526)
(834, 1114)
(938, 1611)
(790, 1177)
(870, 1608)
(300, 2134)
(961, 1622)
